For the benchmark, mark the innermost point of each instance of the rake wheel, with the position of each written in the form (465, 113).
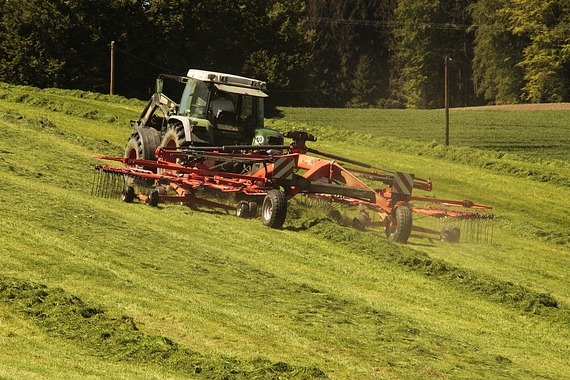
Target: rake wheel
(242, 210)
(153, 198)
(274, 209)
(129, 194)
(400, 232)
(451, 234)
(252, 208)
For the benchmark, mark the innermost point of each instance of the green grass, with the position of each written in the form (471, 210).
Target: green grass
(536, 134)
(96, 288)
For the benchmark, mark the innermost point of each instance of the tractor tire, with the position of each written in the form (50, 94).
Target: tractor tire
(401, 232)
(174, 137)
(274, 209)
(142, 144)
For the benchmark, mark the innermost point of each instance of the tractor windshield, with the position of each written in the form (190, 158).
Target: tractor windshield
(252, 110)
(247, 104)
(194, 99)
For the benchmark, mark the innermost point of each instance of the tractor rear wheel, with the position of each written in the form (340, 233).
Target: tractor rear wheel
(403, 228)
(274, 209)
(142, 144)
(174, 137)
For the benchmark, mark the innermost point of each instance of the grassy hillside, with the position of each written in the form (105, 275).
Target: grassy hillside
(96, 288)
(522, 130)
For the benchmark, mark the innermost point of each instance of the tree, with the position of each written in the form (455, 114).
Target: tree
(281, 50)
(63, 43)
(351, 49)
(497, 52)
(32, 53)
(259, 38)
(546, 58)
(426, 32)
(361, 85)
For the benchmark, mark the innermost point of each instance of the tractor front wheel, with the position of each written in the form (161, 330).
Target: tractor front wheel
(400, 232)
(274, 209)
(174, 137)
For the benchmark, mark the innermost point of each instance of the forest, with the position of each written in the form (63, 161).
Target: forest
(312, 53)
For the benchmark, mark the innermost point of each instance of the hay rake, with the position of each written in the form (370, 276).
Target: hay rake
(266, 177)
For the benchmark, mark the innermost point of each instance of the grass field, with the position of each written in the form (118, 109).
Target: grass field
(96, 288)
(543, 134)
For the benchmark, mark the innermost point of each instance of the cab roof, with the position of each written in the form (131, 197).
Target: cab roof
(227, 79)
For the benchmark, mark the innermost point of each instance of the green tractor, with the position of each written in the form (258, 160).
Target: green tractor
(215, 109)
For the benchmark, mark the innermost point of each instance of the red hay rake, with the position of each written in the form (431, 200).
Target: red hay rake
(267, 177)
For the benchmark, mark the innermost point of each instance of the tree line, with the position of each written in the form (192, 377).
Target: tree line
(335, 53)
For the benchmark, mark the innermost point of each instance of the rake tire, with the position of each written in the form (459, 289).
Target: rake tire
(252, 209)
(274, 209)
(129, 194)
(401, 232)
(242, 210)
(451, 234)
(153, 198)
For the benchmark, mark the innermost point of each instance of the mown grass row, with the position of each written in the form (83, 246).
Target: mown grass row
(65, 316)
(88, 105)
(493, 289)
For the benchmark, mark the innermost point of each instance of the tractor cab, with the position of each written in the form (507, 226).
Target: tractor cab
(214, 110)
(231, 105)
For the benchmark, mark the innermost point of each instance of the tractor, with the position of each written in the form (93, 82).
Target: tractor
(215, 109)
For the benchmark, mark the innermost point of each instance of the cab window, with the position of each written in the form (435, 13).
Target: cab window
(194, 99)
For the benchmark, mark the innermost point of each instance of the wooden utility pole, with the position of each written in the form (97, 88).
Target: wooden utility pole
(112, 81)
(446, 90)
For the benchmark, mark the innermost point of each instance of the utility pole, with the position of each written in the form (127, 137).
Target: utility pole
(446, 90)
(112, 82)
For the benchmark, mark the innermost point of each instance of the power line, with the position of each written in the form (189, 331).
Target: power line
(389, 24)
(94, 50)
(144, 60)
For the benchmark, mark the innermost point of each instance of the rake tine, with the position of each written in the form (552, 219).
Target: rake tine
(97, 184)
(105, 185)
(113, 185)
(93, 181)
(119, 184)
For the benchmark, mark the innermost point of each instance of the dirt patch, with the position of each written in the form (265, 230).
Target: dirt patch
(522, 107)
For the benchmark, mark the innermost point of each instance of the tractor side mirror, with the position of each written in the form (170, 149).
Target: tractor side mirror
(159, 85)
